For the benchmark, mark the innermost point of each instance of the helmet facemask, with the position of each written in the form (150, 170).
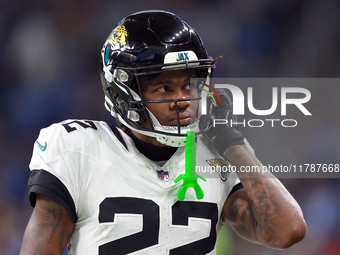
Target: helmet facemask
(130, 108)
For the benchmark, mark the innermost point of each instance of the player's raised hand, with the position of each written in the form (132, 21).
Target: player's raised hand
(217, 125)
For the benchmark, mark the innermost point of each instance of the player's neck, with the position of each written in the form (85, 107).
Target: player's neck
(151, 151)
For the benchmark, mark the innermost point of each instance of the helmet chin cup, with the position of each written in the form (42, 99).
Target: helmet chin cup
(173, 137)
(173, 141)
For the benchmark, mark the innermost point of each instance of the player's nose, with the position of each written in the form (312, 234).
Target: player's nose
(182, 103)
(181, 95)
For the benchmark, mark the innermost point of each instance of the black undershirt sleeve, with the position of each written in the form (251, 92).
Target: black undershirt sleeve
(236, 188)
(45, 183)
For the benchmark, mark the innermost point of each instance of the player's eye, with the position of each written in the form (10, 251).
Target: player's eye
(188, 86)
(162, 89)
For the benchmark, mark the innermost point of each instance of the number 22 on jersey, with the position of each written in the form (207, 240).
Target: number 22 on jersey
(152, 228)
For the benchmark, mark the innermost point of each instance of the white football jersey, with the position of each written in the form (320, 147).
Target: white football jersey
(121, 201)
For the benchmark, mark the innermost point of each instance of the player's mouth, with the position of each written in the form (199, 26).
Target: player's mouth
(184, 119)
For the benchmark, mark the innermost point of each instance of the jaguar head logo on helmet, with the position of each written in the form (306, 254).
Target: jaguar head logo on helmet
(118, 36)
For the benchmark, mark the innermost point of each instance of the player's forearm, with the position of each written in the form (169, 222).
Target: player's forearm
(279, 218)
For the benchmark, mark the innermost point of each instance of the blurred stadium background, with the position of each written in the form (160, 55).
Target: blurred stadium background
(49, 71)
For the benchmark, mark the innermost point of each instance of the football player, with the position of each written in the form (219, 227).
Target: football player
(102, 190)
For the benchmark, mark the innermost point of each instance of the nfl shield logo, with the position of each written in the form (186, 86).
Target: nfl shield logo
(163, 175)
